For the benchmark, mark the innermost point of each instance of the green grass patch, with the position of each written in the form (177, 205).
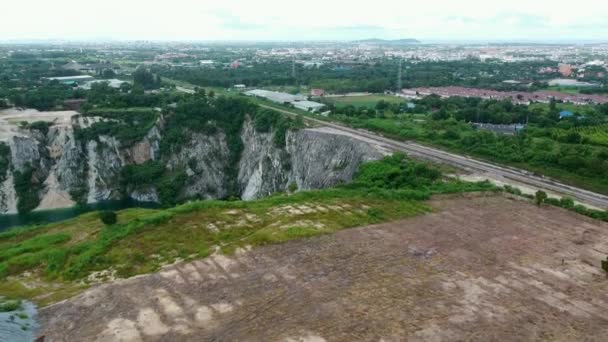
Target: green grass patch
(368, 101)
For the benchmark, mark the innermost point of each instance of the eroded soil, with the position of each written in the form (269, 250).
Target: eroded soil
(486, 268)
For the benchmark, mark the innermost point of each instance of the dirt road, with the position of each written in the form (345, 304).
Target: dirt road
(484, 268)
(501, 173)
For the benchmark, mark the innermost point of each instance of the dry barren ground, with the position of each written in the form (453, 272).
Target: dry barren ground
(486, 268)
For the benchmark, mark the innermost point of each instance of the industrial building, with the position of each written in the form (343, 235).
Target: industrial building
(308, 106)
(275, 96)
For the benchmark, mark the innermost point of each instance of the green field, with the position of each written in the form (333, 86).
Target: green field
(368, 101)
(564, 106)
(565, 90)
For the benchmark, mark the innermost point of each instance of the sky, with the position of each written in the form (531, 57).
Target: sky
(304, 20)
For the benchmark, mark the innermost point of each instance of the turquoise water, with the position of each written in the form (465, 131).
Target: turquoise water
(19, 325)
(49, 216)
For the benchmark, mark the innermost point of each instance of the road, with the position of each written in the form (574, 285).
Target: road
(503, 174)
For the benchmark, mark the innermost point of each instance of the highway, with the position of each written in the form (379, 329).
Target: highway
(504, 174)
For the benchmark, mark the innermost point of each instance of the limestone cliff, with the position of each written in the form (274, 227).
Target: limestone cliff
(69, 170)
(311, 159)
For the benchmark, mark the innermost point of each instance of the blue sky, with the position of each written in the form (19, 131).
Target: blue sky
(431, 20)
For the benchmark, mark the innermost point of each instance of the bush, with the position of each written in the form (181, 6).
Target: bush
(540, 197)
(566, 202)
(107, 217)
(10, 306)
(513, 190)
(375, 214)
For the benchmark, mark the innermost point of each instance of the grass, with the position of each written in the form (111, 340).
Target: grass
(53, 262)
(565, 90)
(368, 101)
(582, 109)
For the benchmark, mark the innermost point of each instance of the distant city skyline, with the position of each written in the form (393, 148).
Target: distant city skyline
(313, 20)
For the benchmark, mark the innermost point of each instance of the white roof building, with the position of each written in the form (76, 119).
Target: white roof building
(308, 106)
(298, 101)
(112, 83)
(275, 96)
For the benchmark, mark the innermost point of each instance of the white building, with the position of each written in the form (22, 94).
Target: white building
(298, 101)
(112, 83)
(275, 96)
(309, 106)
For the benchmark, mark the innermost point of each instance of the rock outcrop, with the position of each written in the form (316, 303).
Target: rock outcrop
(73, 171)
(311, 159)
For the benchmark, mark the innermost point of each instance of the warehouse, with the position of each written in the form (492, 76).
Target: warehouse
(275, 96)
(298, 101)
(308, 106)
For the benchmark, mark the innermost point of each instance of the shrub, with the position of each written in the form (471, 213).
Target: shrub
(10, 306)
(375, 213)
(566, 202)
(513, 190)
(540, 197)
(107, 217)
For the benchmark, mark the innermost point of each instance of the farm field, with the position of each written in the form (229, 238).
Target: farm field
(368, 101)
(479, 267)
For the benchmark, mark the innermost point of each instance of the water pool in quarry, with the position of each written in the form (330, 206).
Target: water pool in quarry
(56, 215)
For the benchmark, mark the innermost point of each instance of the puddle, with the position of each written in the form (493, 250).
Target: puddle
(19, 325)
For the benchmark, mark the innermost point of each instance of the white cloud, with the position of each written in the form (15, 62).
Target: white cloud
(301, 20)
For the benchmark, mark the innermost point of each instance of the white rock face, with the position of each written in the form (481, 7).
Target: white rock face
(310, 158)
(70, 170)
(8, 197)
(205, 159)
(145, 195)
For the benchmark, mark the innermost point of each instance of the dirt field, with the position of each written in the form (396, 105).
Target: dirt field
(10, 119)
(484, 269)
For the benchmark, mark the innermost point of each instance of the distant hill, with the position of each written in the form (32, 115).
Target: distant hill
(388, 41)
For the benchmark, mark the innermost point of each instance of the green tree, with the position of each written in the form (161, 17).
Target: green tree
(144, 78)
(107, 217)
(540, 197)
(108, 73)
